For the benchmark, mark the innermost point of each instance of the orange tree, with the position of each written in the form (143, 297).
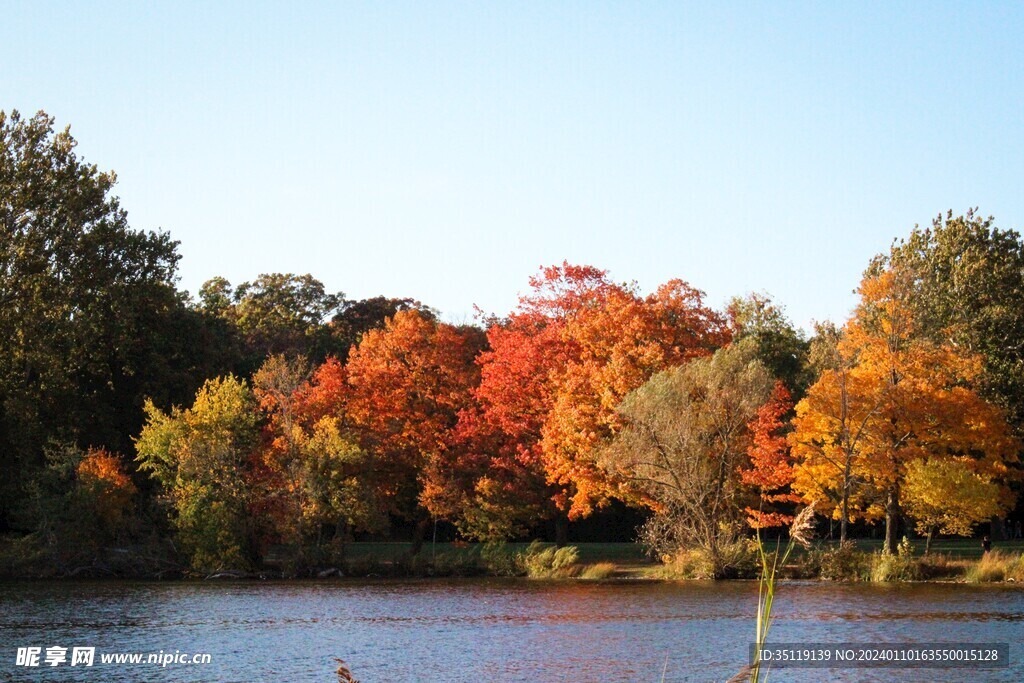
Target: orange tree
(105, 490)
(558, 367)
(900, 398)
(398, 398)
(320, 474)
(770, 471)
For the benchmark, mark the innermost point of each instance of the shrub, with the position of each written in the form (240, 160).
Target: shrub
(454, 562)
(364, 566)
(842, 563)
(886, 567)
(934, 566)
(596, 572)
(737, 560)
(687, 564)
(806, 565)
(547, 563)
(1015, 571)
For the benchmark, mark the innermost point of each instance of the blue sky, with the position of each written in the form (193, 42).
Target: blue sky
(446, 150)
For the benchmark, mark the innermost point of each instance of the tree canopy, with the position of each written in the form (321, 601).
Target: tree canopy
(276, 413)
(91, 322)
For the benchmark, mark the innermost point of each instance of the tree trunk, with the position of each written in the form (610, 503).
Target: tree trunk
(845, 517)
(341, 534)
(892, 519)
(928, 540)
(847, 483)
(561, 530)
(995, 529)
(419, 534)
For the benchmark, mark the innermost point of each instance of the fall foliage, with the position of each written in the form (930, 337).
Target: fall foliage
(684, 446)
(559, 366)
(278, 413)
(771, 467)
(103, 483)
(202, 458)
(912, 400)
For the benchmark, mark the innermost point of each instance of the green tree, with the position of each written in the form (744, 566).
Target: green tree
(90, 320)
(685, 440)
(277, 313)
(780, 346)
(969, 285)
(201, 458)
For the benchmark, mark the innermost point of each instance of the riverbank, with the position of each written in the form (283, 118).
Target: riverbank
(861, 561)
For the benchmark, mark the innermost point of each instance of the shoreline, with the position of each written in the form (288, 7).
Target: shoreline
(953, 562)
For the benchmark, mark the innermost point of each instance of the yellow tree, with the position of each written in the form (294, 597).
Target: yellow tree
(828, 430)
(202, 457)
(950, 496)
(899, 398)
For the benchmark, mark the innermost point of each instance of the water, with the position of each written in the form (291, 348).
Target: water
(487, 630)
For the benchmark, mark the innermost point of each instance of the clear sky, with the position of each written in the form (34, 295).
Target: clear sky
(446, 150)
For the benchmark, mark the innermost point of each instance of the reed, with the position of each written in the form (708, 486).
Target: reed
(799, 534)
(996, 566)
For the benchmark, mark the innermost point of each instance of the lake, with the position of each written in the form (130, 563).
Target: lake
(487, 630)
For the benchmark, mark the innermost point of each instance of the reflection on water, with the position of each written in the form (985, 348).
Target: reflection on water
(488, 630)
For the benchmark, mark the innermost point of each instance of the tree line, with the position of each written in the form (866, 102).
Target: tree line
(274, 413)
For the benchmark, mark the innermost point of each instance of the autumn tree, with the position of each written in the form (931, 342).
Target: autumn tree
(969, 282)
(356, 317)
(76, 506)
(202, 456)
(503, 485)
(308, 481)
(683, 446)
(618, 341)
(951, 496)
(279, 464)
(399, 396)
(561, 363)
(913, 400)
(770, 471)
(831, 427)
(104, 492)
(332, 487)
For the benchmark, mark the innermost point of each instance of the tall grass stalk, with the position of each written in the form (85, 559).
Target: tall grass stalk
(799, 533)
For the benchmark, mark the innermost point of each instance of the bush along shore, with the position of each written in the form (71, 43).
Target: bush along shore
(849, 563)
(843, 562)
